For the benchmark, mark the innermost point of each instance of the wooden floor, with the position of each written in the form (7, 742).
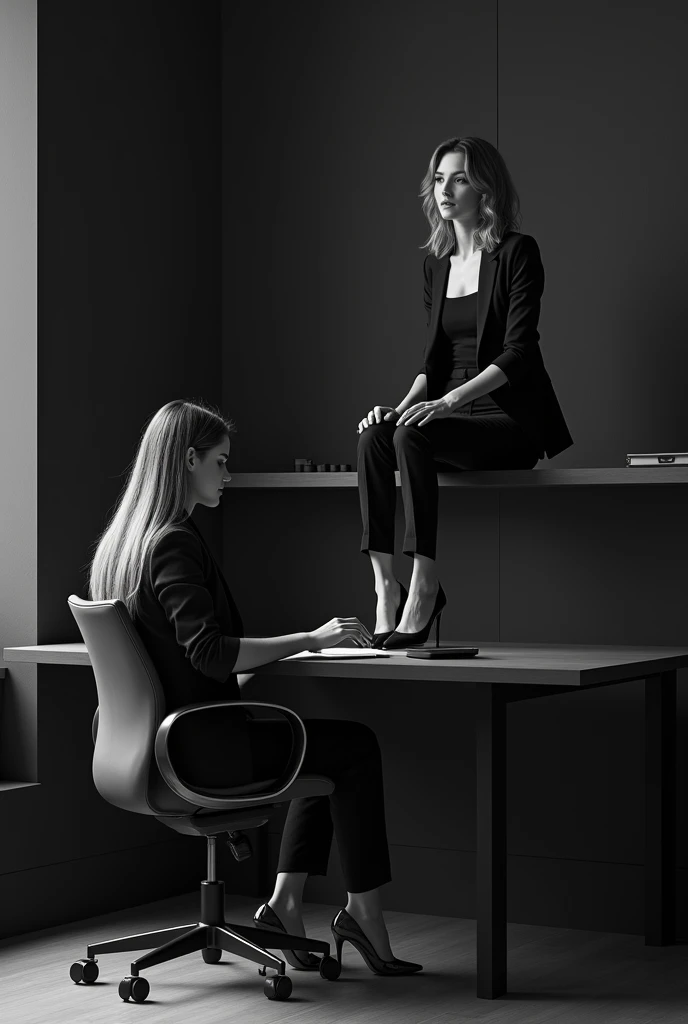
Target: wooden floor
(555, 974)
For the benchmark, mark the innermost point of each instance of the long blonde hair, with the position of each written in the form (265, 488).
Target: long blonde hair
(488, 174)
(154, 496)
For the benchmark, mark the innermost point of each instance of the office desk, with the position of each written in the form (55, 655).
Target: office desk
(503, 673)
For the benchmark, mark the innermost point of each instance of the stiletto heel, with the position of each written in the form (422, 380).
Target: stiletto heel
(265, 917)
(437, 630)
(345, 927)
(398, 640)
(379, 638)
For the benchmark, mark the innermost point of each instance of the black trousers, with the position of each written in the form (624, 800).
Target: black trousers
(346, 752)
(493, 441)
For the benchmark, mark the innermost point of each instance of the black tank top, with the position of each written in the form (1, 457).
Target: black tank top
(460, 326)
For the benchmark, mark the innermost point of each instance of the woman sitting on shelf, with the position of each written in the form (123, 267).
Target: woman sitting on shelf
(153, 557)
(481, 400)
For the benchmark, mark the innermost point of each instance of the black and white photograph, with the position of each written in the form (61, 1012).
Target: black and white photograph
(343, 563)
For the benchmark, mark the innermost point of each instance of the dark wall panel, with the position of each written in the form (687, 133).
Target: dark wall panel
(330, 115)
(293, 559)
(591, 119)
(592, 567)
(129, 253)
(323, 317)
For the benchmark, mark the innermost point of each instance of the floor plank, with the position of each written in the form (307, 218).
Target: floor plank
(555, 975)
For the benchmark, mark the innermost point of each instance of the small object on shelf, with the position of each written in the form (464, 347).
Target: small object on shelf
(310, 468)
(332, 468)
(322, 468)
(344, 467)
(443, 652)
(300, 465)
(657, 459)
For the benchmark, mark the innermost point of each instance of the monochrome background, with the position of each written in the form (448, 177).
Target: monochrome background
(227, 208)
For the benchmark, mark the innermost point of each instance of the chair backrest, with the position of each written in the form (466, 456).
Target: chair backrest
(131, 704)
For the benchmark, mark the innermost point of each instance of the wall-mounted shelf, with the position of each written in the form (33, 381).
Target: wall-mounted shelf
(602, 477)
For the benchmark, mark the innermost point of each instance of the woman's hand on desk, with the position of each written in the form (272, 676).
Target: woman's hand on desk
(426, 412)
(336, 630)
(377, 415)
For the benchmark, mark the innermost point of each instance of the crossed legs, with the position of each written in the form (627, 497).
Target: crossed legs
(348, 753)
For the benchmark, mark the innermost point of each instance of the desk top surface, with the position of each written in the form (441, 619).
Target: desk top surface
(545, 664)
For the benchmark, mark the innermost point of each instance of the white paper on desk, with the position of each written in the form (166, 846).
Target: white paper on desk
(339, 652)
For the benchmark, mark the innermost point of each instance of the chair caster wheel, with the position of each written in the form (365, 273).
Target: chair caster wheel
(133, 988)
(277, 987)
(212, 955)
(84, 970)
(330, 968)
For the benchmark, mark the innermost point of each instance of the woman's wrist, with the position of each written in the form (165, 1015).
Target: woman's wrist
(454, 398)
(303, 642)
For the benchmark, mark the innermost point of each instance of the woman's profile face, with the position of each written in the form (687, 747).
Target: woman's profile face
(207, 474)
(455, 198)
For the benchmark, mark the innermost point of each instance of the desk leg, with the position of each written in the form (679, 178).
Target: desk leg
(490, 743)
(660, 809)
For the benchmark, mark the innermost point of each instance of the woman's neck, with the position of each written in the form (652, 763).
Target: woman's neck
(465, 243)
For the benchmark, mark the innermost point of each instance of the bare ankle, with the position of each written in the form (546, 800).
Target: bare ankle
(367, 907)
(364, 914)
(425, 585)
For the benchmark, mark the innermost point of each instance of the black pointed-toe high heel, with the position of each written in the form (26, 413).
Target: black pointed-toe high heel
(346, 929)
(379, 638)
(265, 917)
(397, 640)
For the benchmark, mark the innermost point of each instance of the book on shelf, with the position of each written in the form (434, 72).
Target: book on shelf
(657, 459)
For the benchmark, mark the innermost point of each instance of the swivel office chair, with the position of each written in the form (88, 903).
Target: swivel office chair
(132, 769)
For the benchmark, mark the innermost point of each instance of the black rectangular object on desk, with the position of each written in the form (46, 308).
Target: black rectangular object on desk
(443, 652)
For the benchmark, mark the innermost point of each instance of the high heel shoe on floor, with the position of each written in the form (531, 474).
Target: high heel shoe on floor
(398, 640)
(265, 917)
(379, 638)
(346, 929)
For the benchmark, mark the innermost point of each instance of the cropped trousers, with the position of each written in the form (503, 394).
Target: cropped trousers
(462, 440)
(346, 752)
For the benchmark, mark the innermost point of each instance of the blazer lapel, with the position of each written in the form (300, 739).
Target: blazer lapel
(439, 290)
(486, 280)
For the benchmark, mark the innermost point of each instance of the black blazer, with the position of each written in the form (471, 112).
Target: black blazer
(188, 620)
(510, 285)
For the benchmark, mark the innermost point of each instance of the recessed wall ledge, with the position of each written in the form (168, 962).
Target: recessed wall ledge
(513, 478)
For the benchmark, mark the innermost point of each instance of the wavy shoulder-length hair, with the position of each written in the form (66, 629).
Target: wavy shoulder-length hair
(154, 496)
(487, 173)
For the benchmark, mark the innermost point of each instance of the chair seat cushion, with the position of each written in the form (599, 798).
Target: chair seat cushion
(205, 822)
(306, 784)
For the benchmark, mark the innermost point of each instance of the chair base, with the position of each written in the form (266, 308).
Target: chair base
(212, 932)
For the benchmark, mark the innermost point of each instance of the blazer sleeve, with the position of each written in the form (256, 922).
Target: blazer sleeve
(178, 582)
(521, 336)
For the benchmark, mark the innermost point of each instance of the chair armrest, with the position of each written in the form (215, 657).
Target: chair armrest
(230, 797)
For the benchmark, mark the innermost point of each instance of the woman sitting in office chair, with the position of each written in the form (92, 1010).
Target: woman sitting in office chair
(153, 557)
(481, 400)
